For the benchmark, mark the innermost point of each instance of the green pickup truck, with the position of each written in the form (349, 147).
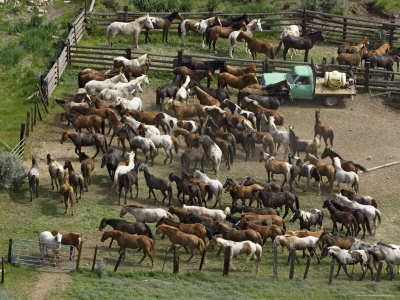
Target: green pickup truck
(304, 85)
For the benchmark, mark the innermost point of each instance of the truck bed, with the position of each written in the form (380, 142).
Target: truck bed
(321, 90)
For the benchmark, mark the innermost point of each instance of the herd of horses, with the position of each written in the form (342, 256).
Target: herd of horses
(211, 127)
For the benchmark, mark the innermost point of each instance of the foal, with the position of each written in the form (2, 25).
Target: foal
(75, 179)
(322, 129)
(87, 167)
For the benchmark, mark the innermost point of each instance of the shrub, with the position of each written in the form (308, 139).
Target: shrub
(101, 269)
(16, 26)
(162, 5)
(13, 172)
(387, 4)
(10, 54)
(326, 6)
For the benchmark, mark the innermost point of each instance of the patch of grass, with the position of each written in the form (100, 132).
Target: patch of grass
(10, 54)
(388, 5)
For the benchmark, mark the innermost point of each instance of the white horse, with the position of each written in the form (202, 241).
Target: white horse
(183, 92)
(280, 136)
(292, 30)
(136, 62)
(172, 123)
(199, 27)
(212, 151)
(132, 28)
(134, 103)
(135, 125)
(95, 86)
(108, 94)
(350, 178)
(56, 171)
(215, 214)
(164, 141)
(214, 184)
(297, 243)
(124, 169)
(253, 26)
(391, 254)
(132, 84)
(145, 215)
(369, 211)
(48, 241)
(252, 250)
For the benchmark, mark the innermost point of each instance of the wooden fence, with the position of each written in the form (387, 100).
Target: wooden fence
(337, 28)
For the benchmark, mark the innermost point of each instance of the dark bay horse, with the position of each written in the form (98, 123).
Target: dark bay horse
(163, 23)
(302, 43)
(211, 65)
(168, 90)
(85, 139)
(274, 200)
(75, 179)
(347, 165)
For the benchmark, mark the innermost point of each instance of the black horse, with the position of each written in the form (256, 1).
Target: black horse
(219, 94)
(168, 90)
(229, 21)
(211, 65)
(302, 43)
(385, 61)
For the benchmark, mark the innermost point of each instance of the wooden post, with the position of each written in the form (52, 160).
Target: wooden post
(31, 119)
(68, 44)
(275, 260)
(94, 258)
(22, 132)
(378, 272)
(344, 29)
(323, 66)
(176, 259)
(9, 251)
(180, 57)
(76, 40)
(304, 23)
(128, 53)
(118, 261)
(79, 256)
(227, 260)
(292, 261)
(28, 121)
(366, 76)
(34, 117)
(38, 110)
(203, 256)
(307, 267)
(42, 89)
(85, 8)
(391, 33)
(125, 13)
(266, 65)
(332, 271)
(2, 269)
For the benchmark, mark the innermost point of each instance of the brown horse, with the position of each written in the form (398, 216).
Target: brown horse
(345, 47)
(187, 135)
(205, 98)
(126, 240)
(382, 50)
(366, 200)
(238, 82)
(100, 75)
(116, 125)
(224, 32)
(197, 27)
(87, 111)
(235, 235)
(99, 104)
(352, 59)
(276, 220)
(195, 75)
(87, 167)
(255, 46)
(239, 72)
(88, 122)
(326, 240)
(327, 170)
(357, 48)
(322, 129)
(189, 241)
(347, 165)
(271, 231)
(85, 139)
(163, 23)
(136, 71)
(197, 229)
(258, 110)
(187, 110)
(344, 217)
(68, 193)
(149, 118)
(273, 166)
(75, 179)
(69, 238)
(237, 191)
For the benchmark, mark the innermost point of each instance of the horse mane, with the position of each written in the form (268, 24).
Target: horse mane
(386, 245)
(134, 206)
(111, 222)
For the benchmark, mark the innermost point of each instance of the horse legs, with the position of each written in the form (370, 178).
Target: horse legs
(338, 270)
(126, 192)
(112, 240)
(119, 195)
(191, 255)
(149, 193)
(285, 51)
(306, 60)
(97, 151)
(154, 195)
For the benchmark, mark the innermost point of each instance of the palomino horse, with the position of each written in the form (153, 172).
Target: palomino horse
(163, 23)
(327, 170)
(67, 191)
(302, 43)
(177, 237)
(126, 240)
(348, 177)
(56, 171)
(198, 27)
(322, 129)
(132, 28)
(33, 177)
(253, 26)
(347, 165)
(257, 46)
(85, 139)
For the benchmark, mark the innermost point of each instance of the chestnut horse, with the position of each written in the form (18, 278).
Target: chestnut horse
(205, 98)
(237, 191)
(327, 170)
(239, 72)
(271, 231)
(88, 122)
(187, 110)
(357, 48)
(87, 167)
(255, 46)
(322, 129)
(197, 229)
(196, 75)
(68, 193)
(219, 31)
(237, 82)
(382, 50)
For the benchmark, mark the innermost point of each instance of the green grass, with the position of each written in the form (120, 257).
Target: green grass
(388, 5)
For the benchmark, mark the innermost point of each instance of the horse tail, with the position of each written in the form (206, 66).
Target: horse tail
(103, 126)
(283, 225)
(292, 175)
(368, 225)
(208, 37)
(379, 215)
(316, 175)
(176, 144)
(209, 192)
(209, 233)
(231, 154)
(360, 167)
(259, 238)
(374, 203)
(279, 46)
(233, 143)
(201, 245)
(148, 230)
(297, 202)
(180, 29)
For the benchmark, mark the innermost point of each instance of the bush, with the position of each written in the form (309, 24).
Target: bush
(101, 269)
(162, 5)
(387, 4)
(10, 54)
(16, 26)
(12, 171)
(326, 6)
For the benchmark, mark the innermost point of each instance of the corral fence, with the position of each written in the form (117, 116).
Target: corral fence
(338, 29)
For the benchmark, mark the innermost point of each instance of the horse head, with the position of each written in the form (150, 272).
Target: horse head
(148, 22)
(103, 223)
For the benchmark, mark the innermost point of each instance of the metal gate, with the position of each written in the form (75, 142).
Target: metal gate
(28, 252)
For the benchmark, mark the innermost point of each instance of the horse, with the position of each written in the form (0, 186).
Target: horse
(297, 243)
(89, 121)
(214, 185)
(187, 111)
(271, 186)
(292, 30)
(255, 210)
(253, 26)
(357, 48)
(212, 150)
(308, 219)
(327, 170)
(67, 105)
(348, 177)
(132, 28)
(347, 165)
(345, 47)
(381, 51)
(75, 179)
(123, 169)
(366, 200)
(279, 136)
(145, 215)
(153, 182)
(188, 136)
(95, 86)
(48, 241)
(391, 254)
(195, 75)
(177, 237)
(259, 111)
(241, 192)
(126, 181)
(173, 123)
(85, 139)
(385, 61)
(270, 231)
(164, 141)
(198, 27)
(214, 32)
(67, 191)
(87, 167)
(138, 228)
(126, 240)
(306, 170)
(272, 90)
(186, 188)
(163, 23)
(351, 59)
(235, 235)
(273, 166)
(205, 98)
(136, 71)
(239, 82)
(225, 146)
(137, 126)
(33, 178)
(86, 75)
(239, 71)
(215, 214)
(218, 93)
(253, 250)
(73, 239)
(275, 200)
(302, 43)
(183, 93)
(197, 229)
(257, 46)
(121, 61)
(111, 159)
(56, 171)
(168, 90)
(344, 217)
(322, 129)
(298, 145)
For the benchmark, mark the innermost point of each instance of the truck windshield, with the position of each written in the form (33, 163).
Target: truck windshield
(291, 76)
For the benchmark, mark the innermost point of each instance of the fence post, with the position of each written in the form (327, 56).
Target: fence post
(203, 256)
(31, 119)
(2, 269)
(58, 70)
(227, 260)
(307, 267)
(85, 8)
(176, 259)
(332, 271)
(304, 23)
(292, 261)
(38, 108)
(9, 250)
(28, 121)
(22, 132)
(34, 117)
(118, 261)
(44, 92)
(344, 29)
(323, 66)
(378, 272)
(125, 13)
(79, 255)
(366, 76)
(180, 57)
(128, 53)
(275, 260)
(76, 40)
(94, 258)
(266, 65)
(68, 44)
(391, 33)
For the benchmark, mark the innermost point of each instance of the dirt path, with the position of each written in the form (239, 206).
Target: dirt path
(49, 280)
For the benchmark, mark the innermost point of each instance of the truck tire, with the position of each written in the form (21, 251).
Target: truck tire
(330, 101)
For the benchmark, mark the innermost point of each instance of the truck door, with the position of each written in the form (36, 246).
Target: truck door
(302, 88)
